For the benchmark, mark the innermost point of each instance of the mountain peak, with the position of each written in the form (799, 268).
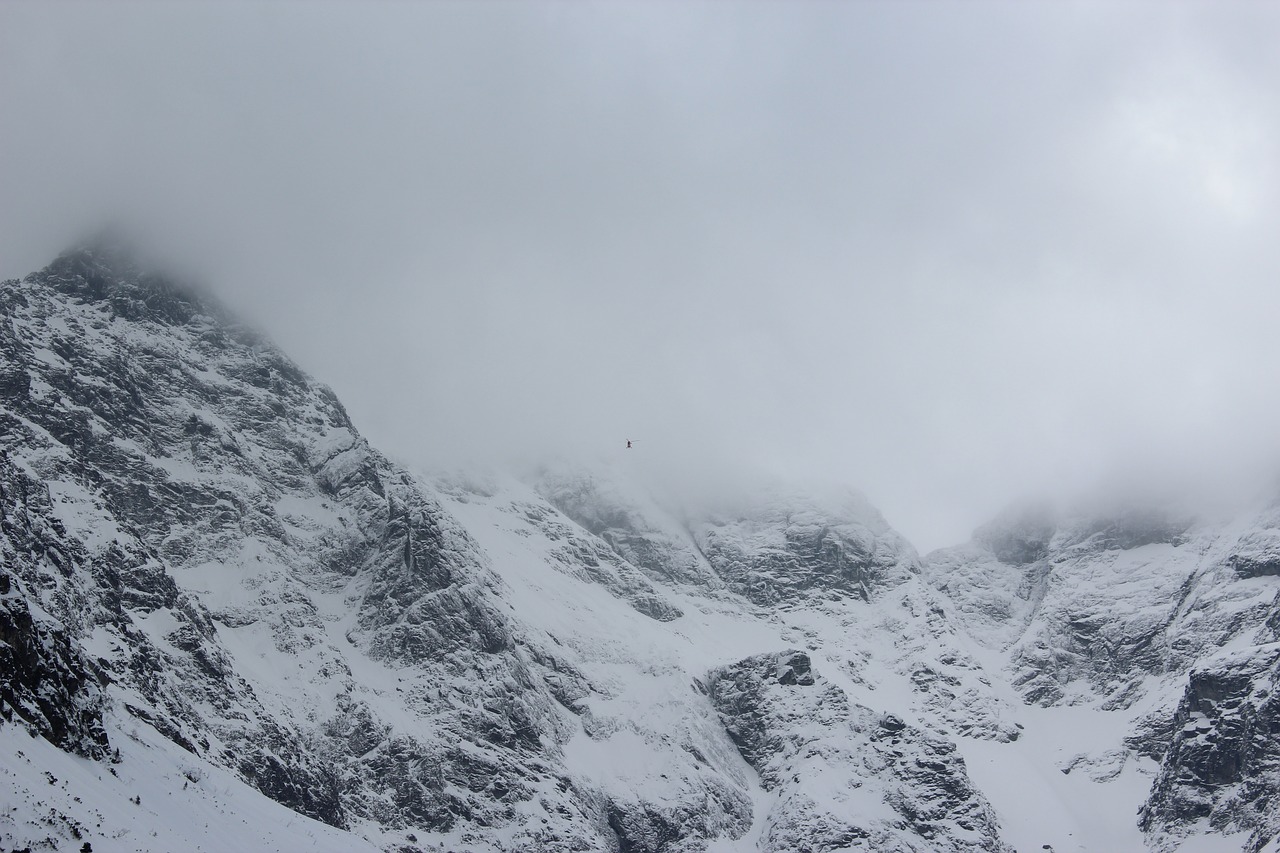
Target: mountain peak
(109, 268)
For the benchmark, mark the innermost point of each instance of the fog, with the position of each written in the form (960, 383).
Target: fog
(948, 253)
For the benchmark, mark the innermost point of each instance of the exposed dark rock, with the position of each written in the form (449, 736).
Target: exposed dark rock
(1223, 761)
(649, 828)
(795, 669)
(45, 680)
(1257, 552)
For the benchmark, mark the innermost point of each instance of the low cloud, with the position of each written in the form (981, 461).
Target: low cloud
(948, 253)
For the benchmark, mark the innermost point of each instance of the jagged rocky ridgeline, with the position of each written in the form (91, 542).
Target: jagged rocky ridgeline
(207, 574)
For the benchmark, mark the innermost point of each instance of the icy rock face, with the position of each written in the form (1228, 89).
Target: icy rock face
(1105, 602)
(783, 548)
(664, 771)
(1257, 553)
(845, 777)
(1110, 615)
(595, 560)
(45, 679)
(995, 599)
(255, 582)
(47, 682)
(1169, 624)
(872, 614)
(631, 525)
(1222, 766)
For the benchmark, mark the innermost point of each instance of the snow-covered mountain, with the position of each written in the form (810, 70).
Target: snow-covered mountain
(227, 622)
(1160, 629)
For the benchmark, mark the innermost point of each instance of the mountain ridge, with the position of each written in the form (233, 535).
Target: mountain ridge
(208, 570)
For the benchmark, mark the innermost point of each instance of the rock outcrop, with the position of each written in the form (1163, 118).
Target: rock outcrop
(844, 776)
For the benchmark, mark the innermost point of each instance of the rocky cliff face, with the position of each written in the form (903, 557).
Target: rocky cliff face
(902, 789)
(211, 585)
(1165, 624)
(201, 528)
(1222, 763)
(789, 547)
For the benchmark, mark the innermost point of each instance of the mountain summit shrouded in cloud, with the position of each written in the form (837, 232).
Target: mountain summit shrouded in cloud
(993, 274)
(218, 599)
(947, 252)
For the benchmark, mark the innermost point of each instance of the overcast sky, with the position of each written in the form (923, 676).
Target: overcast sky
(949, 253)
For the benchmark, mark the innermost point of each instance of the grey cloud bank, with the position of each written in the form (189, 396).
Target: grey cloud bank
(947, 253)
